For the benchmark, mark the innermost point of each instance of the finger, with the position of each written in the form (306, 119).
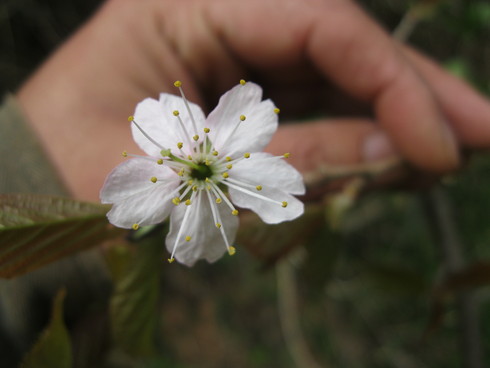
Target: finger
(333, 142)
(467, 111)
(349, 48)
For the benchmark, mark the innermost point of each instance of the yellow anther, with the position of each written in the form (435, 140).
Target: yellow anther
(194, 188)
(284, 204)
(165, 152)
(242, 117)
(246, 155)
(180, 145)
(135, 226)
(130, 118)
(208, 187)
(218, 225)
(190, 182)
(207, 130)
(176, 201)
(229, 166)
(196, 137)
(189, 157)
(188, 238)
(188, 202)
(277, 111)
(242, 82)
(181, 172)
(176, 112)
(215, 153)
(258, 187)
(218, 200)
(160, 161)
(234, 212)
(225, 175)
(231, 250)
(207, 163)
(124, 154)
(177, 83)
(228, 158)
(287, 154)
(207, 180)
(153, 179)
(170, 260)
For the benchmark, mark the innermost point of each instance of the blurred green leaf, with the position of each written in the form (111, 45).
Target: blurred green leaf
(37, 229)
(136, 273)
(53, 349)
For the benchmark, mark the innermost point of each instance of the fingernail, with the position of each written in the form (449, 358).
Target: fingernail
(377, 146)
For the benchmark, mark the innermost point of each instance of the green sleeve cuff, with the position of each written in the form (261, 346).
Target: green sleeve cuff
(24, 166)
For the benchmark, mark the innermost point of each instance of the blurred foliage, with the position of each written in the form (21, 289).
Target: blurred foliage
(36, 230)
(367, 286)
(53, 349)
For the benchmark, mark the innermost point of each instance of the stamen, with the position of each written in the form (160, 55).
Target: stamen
(284, 204)
(217, 220)
(206, 130)
(246, 155)
(277, 111)
(124, 154)
(180, 145)
(178, 84)
(253, 194)
(229, 166)
(258, 187)
(286, 155)
(234, 212)
(147, 136)
(153, 179)
(225, 175)
(242, 82)
(188, 238)
(160, 161)
(135, 226)
(176, 201)
(219, 194)
(184, 129)
(182, 226)
(231, 250)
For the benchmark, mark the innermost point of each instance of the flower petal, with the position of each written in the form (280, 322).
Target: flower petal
(206, 239)
(156, 118)
(254, 133)
(136, 199)
(269, 171)
(271, 213)
(133, 176)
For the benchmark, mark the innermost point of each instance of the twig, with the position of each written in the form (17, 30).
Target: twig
(441, 213)
(290, 317)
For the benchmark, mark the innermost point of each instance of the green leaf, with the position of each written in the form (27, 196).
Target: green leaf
(136, 273)
(53, 349)
(36, 230)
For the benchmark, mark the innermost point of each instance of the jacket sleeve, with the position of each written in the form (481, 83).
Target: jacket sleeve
(24, 166)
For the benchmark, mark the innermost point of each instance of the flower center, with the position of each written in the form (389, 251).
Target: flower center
(201, 172)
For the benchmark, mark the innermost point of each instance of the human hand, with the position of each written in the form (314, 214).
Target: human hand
(79, 100)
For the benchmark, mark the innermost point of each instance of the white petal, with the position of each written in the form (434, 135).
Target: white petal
(254, 133)
(136, 200)
(156, 118)
(269, 171)
(271, 213)
(206, 239)
(132, 177)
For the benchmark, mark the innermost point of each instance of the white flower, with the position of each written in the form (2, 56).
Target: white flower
(198, 169)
